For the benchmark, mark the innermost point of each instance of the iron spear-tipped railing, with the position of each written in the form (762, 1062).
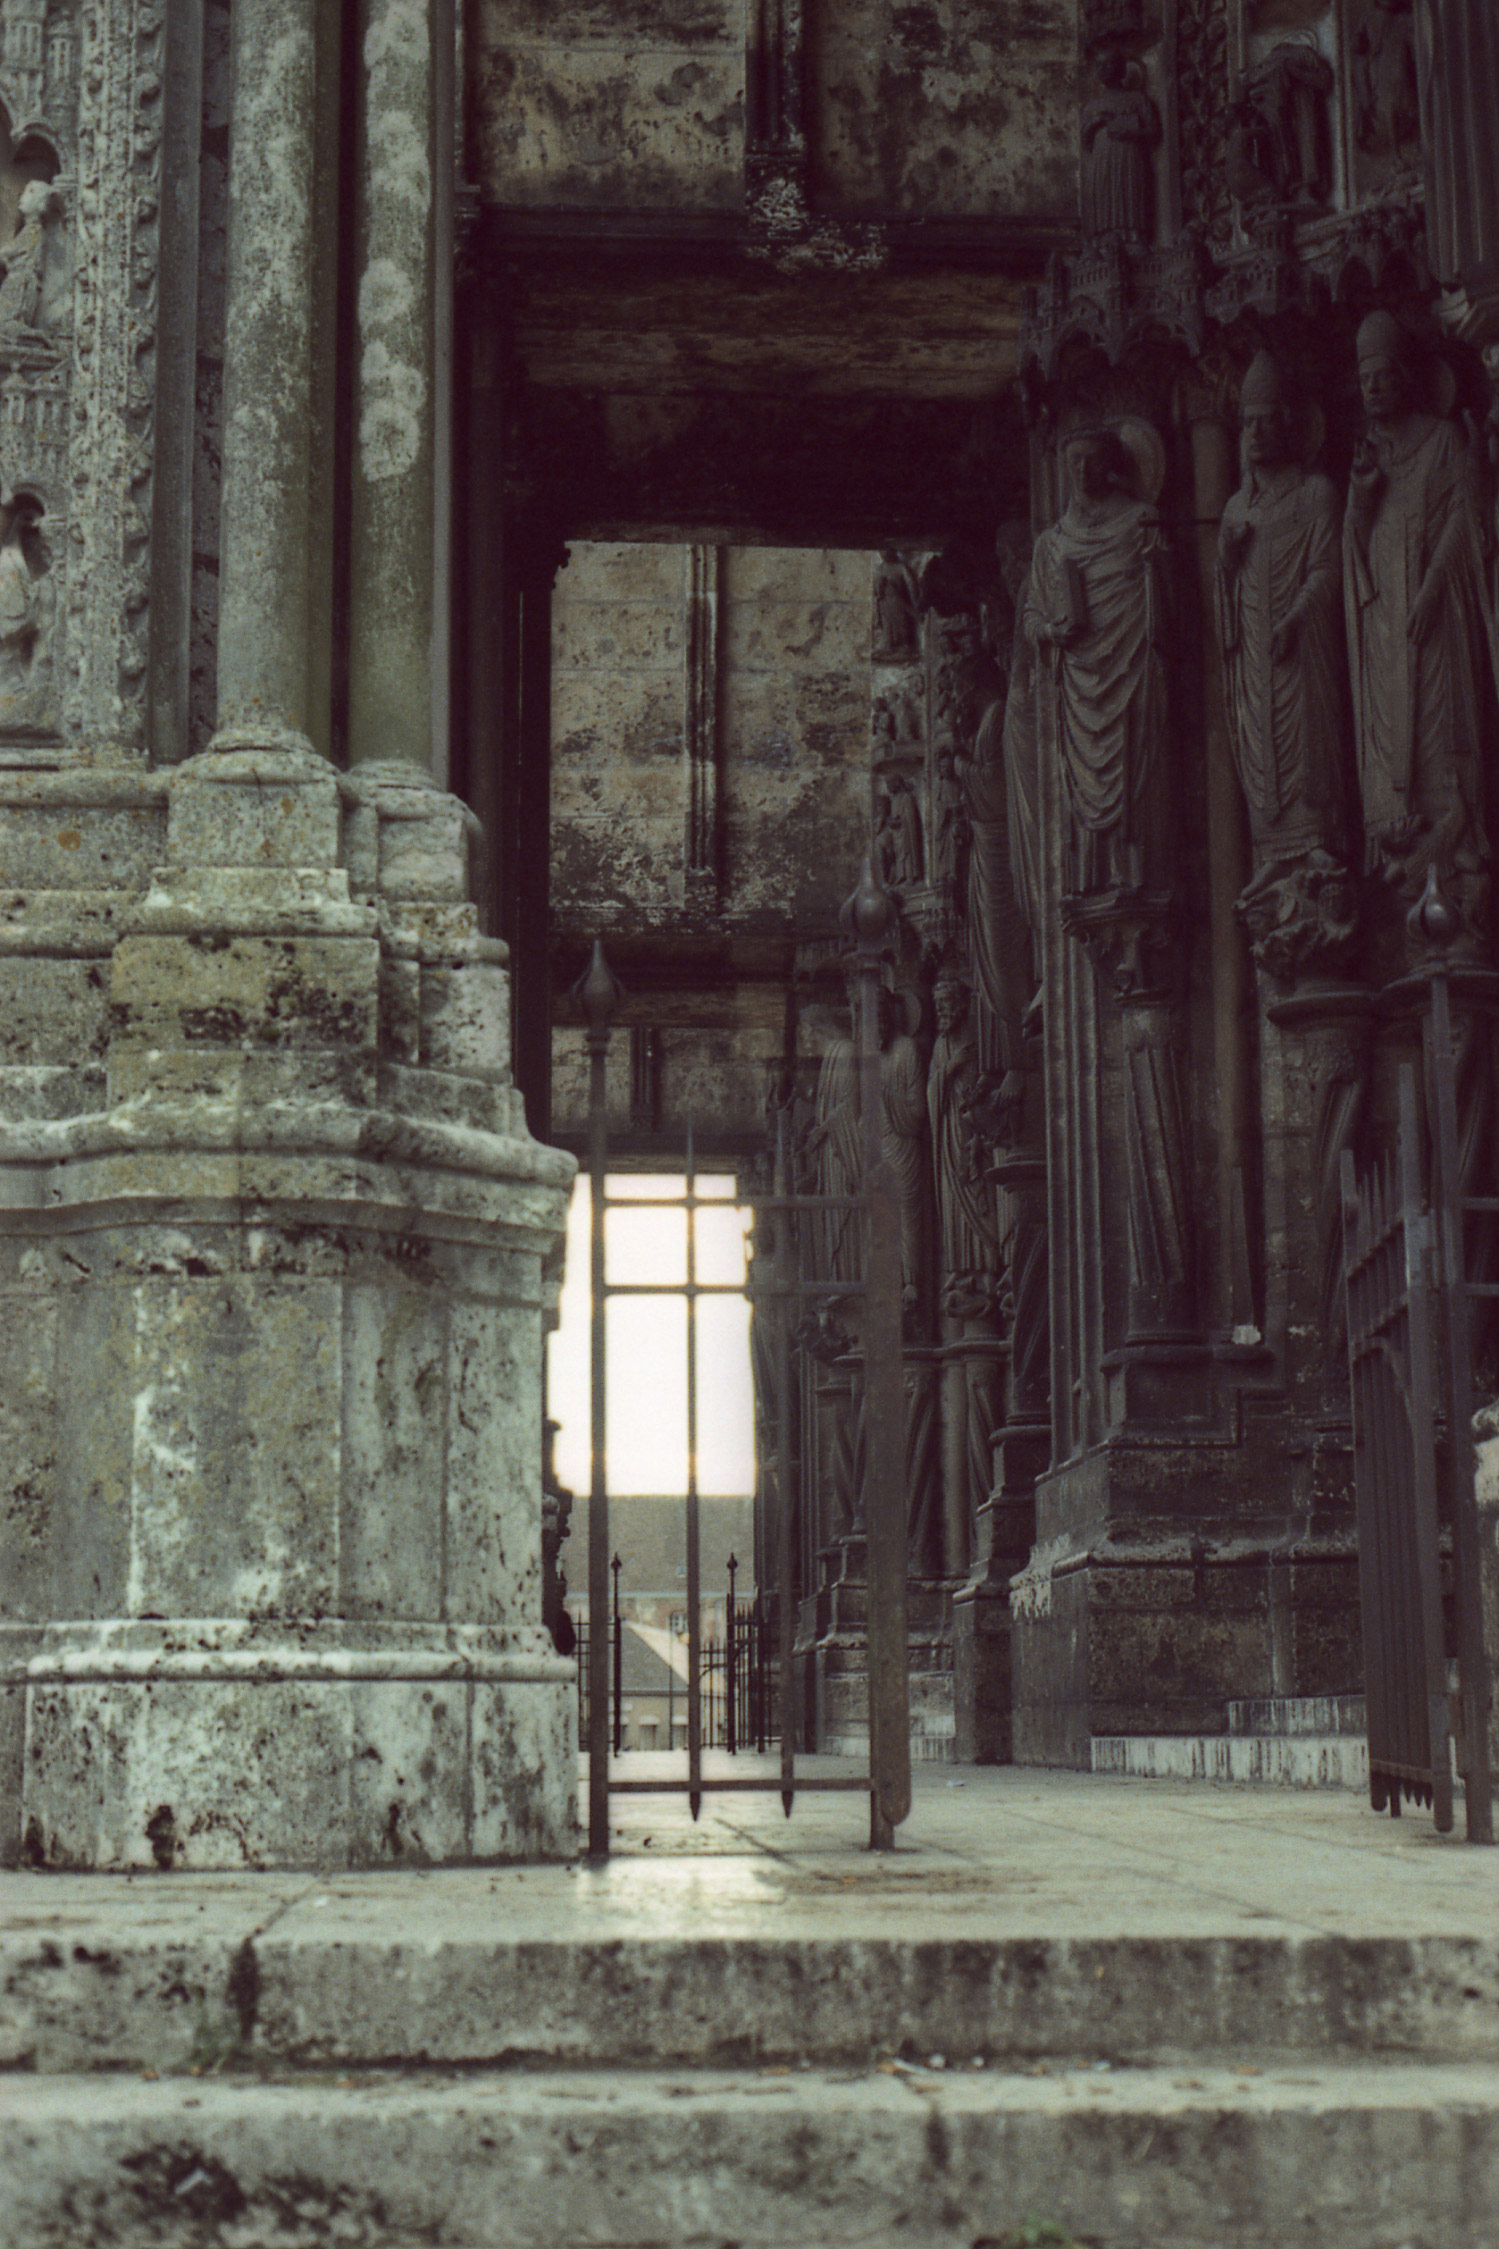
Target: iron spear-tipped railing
(869, 913)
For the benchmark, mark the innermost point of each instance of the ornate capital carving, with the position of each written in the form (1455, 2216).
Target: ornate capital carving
(1129, 934)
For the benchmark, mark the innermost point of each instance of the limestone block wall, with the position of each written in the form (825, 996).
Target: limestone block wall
(964, 107)
(792, 723)
(757, 706)
(957, 108)
(618, 642)
(607, 103)
(796, 720)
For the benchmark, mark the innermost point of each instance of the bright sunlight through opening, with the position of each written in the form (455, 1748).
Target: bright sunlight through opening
(647, 1344)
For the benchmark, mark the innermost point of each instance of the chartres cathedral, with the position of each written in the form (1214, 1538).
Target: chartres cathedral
(478, 475)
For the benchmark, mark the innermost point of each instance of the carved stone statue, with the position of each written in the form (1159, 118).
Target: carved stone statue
(967, 1213)
(1120, 127)
(1021, 751)
(897, 625)
(832, 1148)
(1292, 86)
(22, 256)
(898, 851)
(903, 1139)
(1418, 633)
(1094, 611)
(1280, 625)
(998, 938)
(1387, 116)
(947, 816)
(26, 608)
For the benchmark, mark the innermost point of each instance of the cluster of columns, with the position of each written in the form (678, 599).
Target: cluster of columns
(282, 257)
(296, 1615)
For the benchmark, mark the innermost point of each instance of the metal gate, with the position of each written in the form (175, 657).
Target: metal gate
(1408, 1306)
(876, 1212)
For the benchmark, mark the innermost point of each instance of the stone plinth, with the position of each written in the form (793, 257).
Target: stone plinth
(279, 1600)
(1127, 1622)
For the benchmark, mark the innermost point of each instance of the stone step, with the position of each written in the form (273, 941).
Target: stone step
(1282, 1760)
(337, 1987)
(1328, 2156)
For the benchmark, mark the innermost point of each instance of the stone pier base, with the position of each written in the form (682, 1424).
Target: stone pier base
(214, 1745)
(274, 1294)
(1127, 1623)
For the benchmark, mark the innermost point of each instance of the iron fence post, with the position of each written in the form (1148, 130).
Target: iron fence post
(597, 994)
(1447, 1204)
(731, 1669)
(619, 1663)
(885, 1440)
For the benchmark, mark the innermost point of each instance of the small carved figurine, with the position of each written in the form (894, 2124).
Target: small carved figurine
(1388, 118)
(21, 286)
(967, 1212)
(948, 820)
(898, 834)
(26, 607)
(897, 628)
(1119, 130)
(1293, 85)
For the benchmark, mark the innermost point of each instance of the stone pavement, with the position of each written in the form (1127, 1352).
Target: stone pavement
(1135, 2011)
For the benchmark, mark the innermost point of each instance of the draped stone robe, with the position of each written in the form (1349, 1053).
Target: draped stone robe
(1286, 715)
(1102, 571)
(1421, 705)
(967, 1218)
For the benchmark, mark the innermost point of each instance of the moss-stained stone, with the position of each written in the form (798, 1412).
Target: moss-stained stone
(409, 1774)
(395, 1354)
(958, 107)
(272, 1239)
(491, 1511)
(610, 23)
(91, 1551)
(29, 1381)
(524, 1762)
(52, 1010)
(793, 711)
(638, 125)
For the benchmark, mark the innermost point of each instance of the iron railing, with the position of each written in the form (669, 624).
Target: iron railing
(1387, 1245)
(876, 1214)
(1408, 1261)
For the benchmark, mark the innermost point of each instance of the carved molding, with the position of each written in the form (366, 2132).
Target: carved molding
(701, 731)
(39, 91)
(115, 275)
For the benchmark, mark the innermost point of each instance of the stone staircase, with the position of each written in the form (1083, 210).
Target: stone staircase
(745, 2053)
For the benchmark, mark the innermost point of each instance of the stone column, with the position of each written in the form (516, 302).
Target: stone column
(391, 561)
(267, 532)
(297, 1572)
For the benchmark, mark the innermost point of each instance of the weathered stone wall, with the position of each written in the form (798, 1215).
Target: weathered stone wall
(608, 103)
(787, 660)
(617, 690)
(793, 706)
(963, 107)
(957, 108)
(796, 731)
